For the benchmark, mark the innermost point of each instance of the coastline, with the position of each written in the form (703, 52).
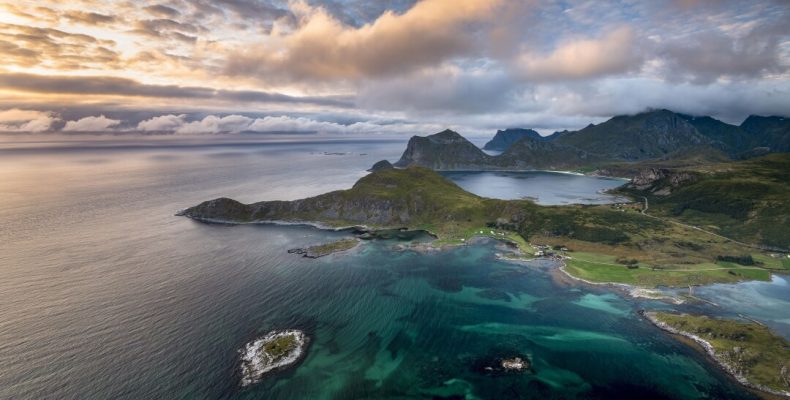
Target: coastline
(590, 174)
(711, 352)
(633, 291)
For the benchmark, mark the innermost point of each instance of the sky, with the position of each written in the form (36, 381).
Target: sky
(198, 67)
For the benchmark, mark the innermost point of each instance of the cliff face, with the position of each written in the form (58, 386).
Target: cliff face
(506, 138)
(660, 181)
(446, 150)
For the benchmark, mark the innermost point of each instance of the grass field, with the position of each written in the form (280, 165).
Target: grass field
(601, 268)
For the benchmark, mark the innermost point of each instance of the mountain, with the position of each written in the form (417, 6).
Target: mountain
(530, 153)
(388, 197)
(504, 139)
(446, 150)
(659, 135)
(730, 139)
(648, 135)
(770, 132)
(745, 200)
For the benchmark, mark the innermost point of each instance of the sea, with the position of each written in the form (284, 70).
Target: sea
(106, 294)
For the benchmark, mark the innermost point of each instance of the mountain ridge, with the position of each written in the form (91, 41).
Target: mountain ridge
(648, 136)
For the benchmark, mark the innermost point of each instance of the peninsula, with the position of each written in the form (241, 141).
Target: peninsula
(606, 243)
(749, 352)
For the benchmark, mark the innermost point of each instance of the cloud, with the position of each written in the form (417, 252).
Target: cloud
(710, 55)
(91, 124)
(55, 48)
(88, 18)
(106, 85)
(448, 88)
(213, 124)
(161, 10)
(17, 120)
(286, 123)
(162, 123)
(324, 48)
(615, 53)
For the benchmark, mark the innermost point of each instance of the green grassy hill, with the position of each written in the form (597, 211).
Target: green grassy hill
(746, 200)
(607, 243)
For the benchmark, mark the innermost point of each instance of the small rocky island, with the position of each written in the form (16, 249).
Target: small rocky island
(502, 366)
(326, 249)
(275, 350)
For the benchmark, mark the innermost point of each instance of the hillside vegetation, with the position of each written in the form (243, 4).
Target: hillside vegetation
(746, 200)
(745, 349)
(657, 252)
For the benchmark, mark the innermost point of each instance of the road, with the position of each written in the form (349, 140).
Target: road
(754, 246)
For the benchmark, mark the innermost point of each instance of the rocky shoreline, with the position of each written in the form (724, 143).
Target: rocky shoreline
(326, 249)
(711, 352)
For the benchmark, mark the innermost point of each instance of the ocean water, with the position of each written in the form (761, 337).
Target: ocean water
(105, 294)
(544, 187)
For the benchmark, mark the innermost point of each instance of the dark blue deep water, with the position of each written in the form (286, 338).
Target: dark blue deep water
(106, 295)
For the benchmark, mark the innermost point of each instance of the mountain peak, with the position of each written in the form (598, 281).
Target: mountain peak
(446, 136)
(505, 138)
(444, 150)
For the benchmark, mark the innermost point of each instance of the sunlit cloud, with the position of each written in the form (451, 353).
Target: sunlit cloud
(91, 124)
(429, 63)
(16, 120)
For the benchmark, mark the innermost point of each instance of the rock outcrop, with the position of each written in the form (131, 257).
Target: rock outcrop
(381, 165)
(660, 181)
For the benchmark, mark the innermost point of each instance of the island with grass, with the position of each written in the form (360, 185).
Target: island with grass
(274, 351)
(748, 351)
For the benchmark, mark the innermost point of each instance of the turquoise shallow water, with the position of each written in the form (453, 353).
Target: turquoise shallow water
(423, 325)
(106, 295)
